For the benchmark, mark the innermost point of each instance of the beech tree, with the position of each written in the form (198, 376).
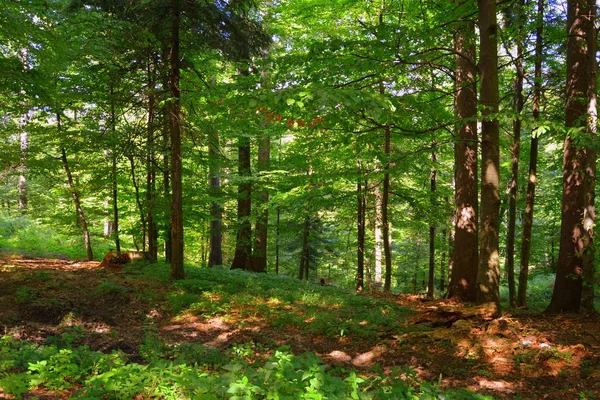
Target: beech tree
(576, 253)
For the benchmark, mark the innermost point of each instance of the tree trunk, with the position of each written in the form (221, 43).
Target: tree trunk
(151, 170)
(443, 260)
(533, 156)
(361, 225)
(175, 122)
(577, 198)
(277, 241)
(464, 256)
(115, 199)
(432, 227)
(512, 207)
(22, 180)
(243, 246)
(378, 233)
(216, 211)
(385, 220)
(259, 259)
(488, 274)
(75, 194)
(304, 256)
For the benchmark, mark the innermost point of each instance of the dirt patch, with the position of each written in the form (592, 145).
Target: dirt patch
(515, 356)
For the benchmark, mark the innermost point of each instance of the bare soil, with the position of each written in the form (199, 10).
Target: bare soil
(527, 356)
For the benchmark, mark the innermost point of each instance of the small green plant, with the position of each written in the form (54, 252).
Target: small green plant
(25, 295)
(111, 287)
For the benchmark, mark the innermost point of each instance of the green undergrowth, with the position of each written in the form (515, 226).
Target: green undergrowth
(283, 302)
(191, 371)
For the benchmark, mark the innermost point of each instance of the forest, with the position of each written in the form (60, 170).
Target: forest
(281, 199)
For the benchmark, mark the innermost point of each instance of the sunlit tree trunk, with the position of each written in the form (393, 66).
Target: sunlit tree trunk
(75, 195)
(114, 172)
(216, 211)
(378, 245)
(243, 246)
(22, 179)
(259, 259)
(575, 257)
(512, 207)
(385, 220)
(465, 254)
(488, 274)
(533, 156)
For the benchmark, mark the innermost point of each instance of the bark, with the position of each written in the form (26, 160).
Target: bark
(432, 228)
(216, 211)
(259, 259)
(533, 156)
(385, 222)
(512, 206)
(488, 274)
(175, 122)
(75, 195)
(115, 199)
(22, 179)
(378, 245)
(575, 257)
(151, 172)
(361, 227)
(243, 246)
(465, 256)
(443, 261)
(167, 187)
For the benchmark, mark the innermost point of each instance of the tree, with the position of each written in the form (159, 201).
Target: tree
(575, 259)
(533, 158)
(488, 273)
(465, 256)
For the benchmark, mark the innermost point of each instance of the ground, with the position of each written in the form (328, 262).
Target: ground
(518, 355)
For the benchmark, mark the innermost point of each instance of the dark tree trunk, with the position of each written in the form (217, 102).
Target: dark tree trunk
(533, 156)
(576, 245)
(151, 171)
(512, 207)
(464, 257)
(443, 261)
(175, 122)
(361, 227)
(167, 187)
(488, 274)
(259, 259)
(216, 211)
(432, 228)
(304, 256)
(75, 194)
(277, 241)
(243, 246)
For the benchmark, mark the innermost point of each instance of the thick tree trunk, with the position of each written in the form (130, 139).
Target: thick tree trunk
(378, 228)
(175, 122)
(533, 156)
(216, 211)
(259, 258)
(75, 195)
(464, 257)
(432, 228)
(577, 198)
(488, 274)
(512, 207)
(243, 246)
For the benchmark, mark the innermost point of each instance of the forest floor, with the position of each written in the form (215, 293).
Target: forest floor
(520, 355)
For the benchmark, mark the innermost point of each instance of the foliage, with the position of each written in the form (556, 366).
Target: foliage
(283, 375)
